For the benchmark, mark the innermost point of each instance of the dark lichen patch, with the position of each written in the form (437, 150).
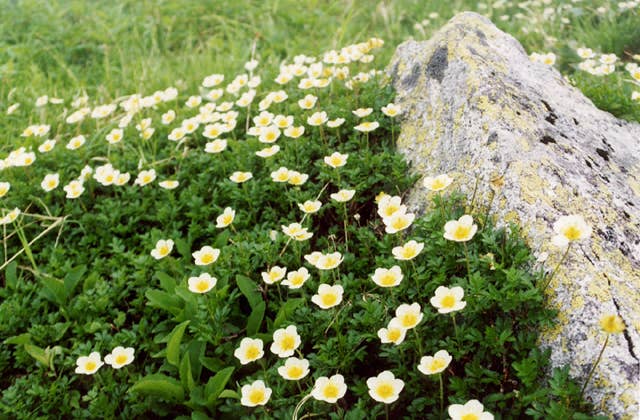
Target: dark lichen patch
(576, 122)
(546, 139)
(493, 137)
(438, 64)
(603, 154)
(412, 78)
(551, 116)
(588, 163)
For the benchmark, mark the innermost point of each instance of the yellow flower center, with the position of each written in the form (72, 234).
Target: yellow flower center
(387, 279)
(409, 320)
(385, 390)
(330, 391)
(207, 258)
(227, 219)
(294, 372)
(121, 359)
(329, 299)
(51, 183)
(394, 334)
(408, 252)
(399, 223)
(288, 343)
(462, 232)
(90, 365)
(256, 396)
(448, 301)
(437, 364)
(202, 286)
(572, 233)
(252, 352)
(146, 179)
(297, 280)
(469, 417)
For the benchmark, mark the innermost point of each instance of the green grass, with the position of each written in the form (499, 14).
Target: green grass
(88, 283)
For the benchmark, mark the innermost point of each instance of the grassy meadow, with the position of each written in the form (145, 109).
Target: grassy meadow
(201, 214)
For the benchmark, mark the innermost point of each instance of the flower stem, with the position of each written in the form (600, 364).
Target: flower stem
(466, 254)
(593, 369)
(555, 270)
(415, 331)
(455, 326)
(441, 394)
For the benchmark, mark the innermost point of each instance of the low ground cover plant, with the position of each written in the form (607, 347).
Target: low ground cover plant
(239, 244)
(245, 251)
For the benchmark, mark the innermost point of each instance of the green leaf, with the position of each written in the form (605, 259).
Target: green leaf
(72, 279)
(255, 319)
(173, 346)
(41, 355)
(53, 290)
(249, 289)
(167, 282)
(10, 275)
(229, 393)
(186, 377)
(164, 300)
(222, 239)
(216, 385)
(183, 247)
(159, 386)
(286, 311)
(24, 338)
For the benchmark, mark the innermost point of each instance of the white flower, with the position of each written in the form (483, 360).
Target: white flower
(387, 277)
(317, 118)
(460, 230)
(367, 126)
(294, 369)
(285, 341)
(448, 300)
(473, 409)
(4, 188)
(430, 365)
(570, 228)
(119, 357)
(394, 333)
(407, 251)
(391, 110)
(329, 389)
(74, 189)
(409, 315)
(206, 255)
(215, 146)
(362, 112)
(162, 249)
(47, 146)
(398, 221)
(250, 349)
(274, 275)
(310, 207)
(336, 159)
(169, 184)
(328, 296)
(50, 182)
(296, 279)
(145, 177)
(226, 218)
(437, 183)
(240, 177)
(343, 195)
(202, 284)
(76, 142)
(10, 217)
(255, 394)
(385, 387)
(88, 365)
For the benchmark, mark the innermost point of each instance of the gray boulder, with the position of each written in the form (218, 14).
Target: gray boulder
(477, 108)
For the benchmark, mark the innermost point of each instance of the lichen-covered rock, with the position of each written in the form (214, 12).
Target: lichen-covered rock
(475, 107)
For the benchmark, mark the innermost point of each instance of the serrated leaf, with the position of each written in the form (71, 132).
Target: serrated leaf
(72, 279)
(250, 290)
(159, 385)
(216, 385)
(173, 345)
(286, 311)
(255, 319)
